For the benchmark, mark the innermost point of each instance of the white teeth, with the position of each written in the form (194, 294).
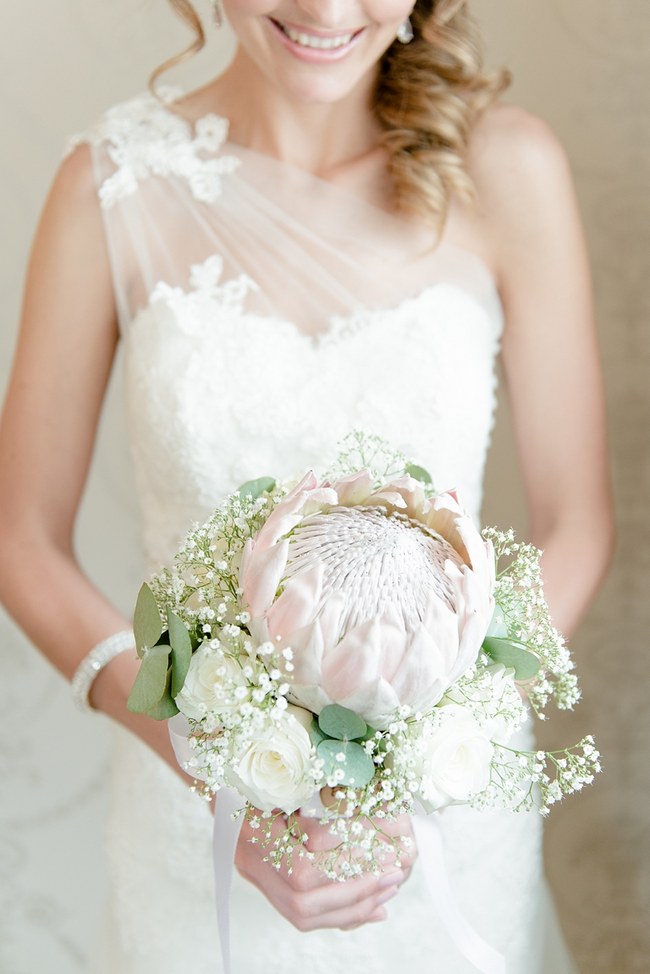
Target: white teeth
(320, 43)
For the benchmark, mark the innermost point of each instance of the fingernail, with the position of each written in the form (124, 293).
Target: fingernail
(377, 916)
(390, 879)
(388, 895)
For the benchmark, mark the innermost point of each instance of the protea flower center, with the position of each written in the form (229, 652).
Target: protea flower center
(373, 559)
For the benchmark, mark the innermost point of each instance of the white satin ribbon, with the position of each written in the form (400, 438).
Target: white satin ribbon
(428, 837)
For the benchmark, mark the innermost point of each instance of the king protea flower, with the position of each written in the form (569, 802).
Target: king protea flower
(384, 596)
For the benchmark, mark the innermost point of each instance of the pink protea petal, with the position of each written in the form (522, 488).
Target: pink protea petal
(442, 623)
(424, 672)
(375, 701)
(444, 521)
(355, 489)
(404, 493)
(298, 604)
(480, 552)
(316, 500)
(287, 513)
(308, 482)
(475, 608)
(391, 498)
(260, 575)
(311, 696)
(372, 649)
(308, 643)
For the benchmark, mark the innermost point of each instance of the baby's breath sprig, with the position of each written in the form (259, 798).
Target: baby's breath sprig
(542, 778)
(367, 451)
(519, 594)
(202, 588)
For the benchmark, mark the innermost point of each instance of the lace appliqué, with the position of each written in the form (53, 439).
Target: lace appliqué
(145, 138)
(205, 291)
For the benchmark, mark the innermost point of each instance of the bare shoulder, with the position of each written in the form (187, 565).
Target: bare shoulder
(71, 223)
(515, 158)
(74, 183)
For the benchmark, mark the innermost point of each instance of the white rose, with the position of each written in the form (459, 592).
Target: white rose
(273, 772)
(455, 759)
(509, 711)
(210, 683)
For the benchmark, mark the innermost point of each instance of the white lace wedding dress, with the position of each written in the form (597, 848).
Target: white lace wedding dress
(264, 314)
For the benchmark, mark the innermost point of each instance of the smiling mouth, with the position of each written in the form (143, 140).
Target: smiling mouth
(318, 42)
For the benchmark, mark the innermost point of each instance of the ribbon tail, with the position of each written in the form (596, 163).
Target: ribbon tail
(226, 831)
(472, 946)
(225, 838)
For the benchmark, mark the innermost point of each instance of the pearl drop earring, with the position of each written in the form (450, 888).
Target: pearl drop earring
(405, 32)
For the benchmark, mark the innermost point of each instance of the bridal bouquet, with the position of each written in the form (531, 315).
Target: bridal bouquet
(353, 644)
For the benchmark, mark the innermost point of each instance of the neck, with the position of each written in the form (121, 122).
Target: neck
(320, 138)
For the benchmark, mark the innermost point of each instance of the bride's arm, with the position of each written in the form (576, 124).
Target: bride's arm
(63, 361)
(550, 354)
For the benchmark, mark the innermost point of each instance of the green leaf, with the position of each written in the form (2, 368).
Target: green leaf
(166, 707)
(418, 473)
(150, 682)
(340, 723)
(147, 624)
(315, 733)
(181, 644)
(254, 488)
(357, 766)
(512, 654)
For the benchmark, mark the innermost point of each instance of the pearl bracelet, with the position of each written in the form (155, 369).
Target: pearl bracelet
(98, 657)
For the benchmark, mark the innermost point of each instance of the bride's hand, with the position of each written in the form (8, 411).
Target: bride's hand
(306, 897)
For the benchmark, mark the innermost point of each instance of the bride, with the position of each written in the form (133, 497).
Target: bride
(342, 230)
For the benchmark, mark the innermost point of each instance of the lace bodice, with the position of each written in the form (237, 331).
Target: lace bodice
(264, 314)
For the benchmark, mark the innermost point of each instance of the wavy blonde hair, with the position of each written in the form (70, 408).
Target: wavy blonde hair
(429, 95)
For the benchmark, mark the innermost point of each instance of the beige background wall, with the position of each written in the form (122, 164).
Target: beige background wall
(585, 66)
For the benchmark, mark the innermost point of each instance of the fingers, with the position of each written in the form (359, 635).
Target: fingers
(344, 905)
(308, 898)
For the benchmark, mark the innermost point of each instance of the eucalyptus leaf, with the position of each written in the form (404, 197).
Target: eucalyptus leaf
(181, 645)
(512, 654)
(166, 707)
(418, 473)
(147, 623)
(340, 723)
(315, 733)
(357, 766)
(254, 488)
(150, 682)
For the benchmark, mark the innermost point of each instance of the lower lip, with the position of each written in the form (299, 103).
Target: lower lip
(315, 55)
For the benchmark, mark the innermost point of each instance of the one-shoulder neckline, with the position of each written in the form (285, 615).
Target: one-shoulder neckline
(169, 94)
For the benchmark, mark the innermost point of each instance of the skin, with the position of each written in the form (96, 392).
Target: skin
(526, 228)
